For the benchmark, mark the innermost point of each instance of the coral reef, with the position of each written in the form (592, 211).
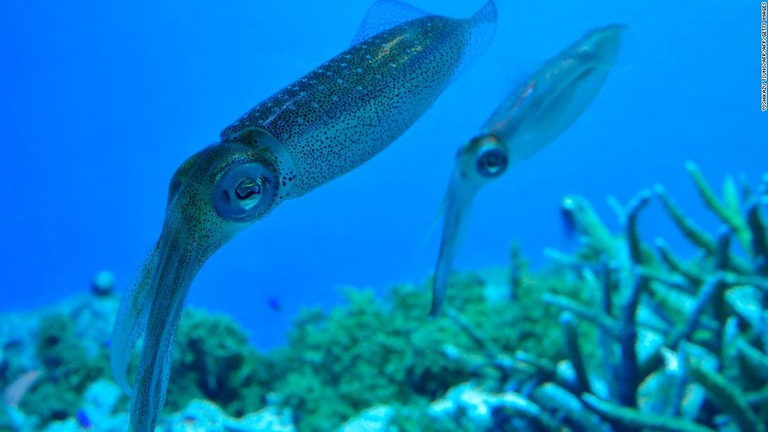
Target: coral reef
(73, 389)
(67, 368)
(213, 361)
(374, 353)
(619, 335)
(682, 344)
(64, 347)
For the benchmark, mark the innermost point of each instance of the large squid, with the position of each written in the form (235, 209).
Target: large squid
(531, 117)
(328, 122)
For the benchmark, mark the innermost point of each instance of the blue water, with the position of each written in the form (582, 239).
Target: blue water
(102, 102)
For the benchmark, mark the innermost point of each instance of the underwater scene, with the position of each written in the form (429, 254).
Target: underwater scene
(384, 215)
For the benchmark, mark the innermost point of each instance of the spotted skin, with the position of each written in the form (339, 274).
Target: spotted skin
(191, 233)
(318, 128)
(349, 109)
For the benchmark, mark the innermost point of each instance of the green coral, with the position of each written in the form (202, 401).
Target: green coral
(389, 352)
(339, 363)
(67, 369)
(587, 310)
(212, 360)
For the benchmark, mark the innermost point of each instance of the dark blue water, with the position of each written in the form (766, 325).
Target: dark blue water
(101, 103)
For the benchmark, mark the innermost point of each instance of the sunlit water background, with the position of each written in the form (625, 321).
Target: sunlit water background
(102, 102)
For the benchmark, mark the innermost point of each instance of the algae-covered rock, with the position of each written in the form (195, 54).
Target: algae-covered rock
(12, 419)
(213, 360)
(204, 416)
(97, 411)
(17, 347)
(375, 419)
(67, 370)
(99, 402)
(374, 352)
(358, 356)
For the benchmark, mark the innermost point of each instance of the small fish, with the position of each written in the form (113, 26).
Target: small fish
(274, 303)
(19, 387)
(529, 118)
(82, 419)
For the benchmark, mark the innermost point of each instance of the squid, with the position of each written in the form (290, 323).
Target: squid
(531, 117)
(323, 125)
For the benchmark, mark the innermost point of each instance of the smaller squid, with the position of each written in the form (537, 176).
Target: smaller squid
(531, 117)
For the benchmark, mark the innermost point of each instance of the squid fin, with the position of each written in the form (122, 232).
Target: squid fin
(383, 15)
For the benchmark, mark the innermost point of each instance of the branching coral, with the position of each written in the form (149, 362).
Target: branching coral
(682, 345)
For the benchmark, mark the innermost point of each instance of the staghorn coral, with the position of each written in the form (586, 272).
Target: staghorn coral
(682, 345)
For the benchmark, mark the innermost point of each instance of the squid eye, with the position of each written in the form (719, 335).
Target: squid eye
(247, 188)
(492, 163)
(245, 192)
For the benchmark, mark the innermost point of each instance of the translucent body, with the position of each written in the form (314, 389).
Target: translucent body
(531, 117)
